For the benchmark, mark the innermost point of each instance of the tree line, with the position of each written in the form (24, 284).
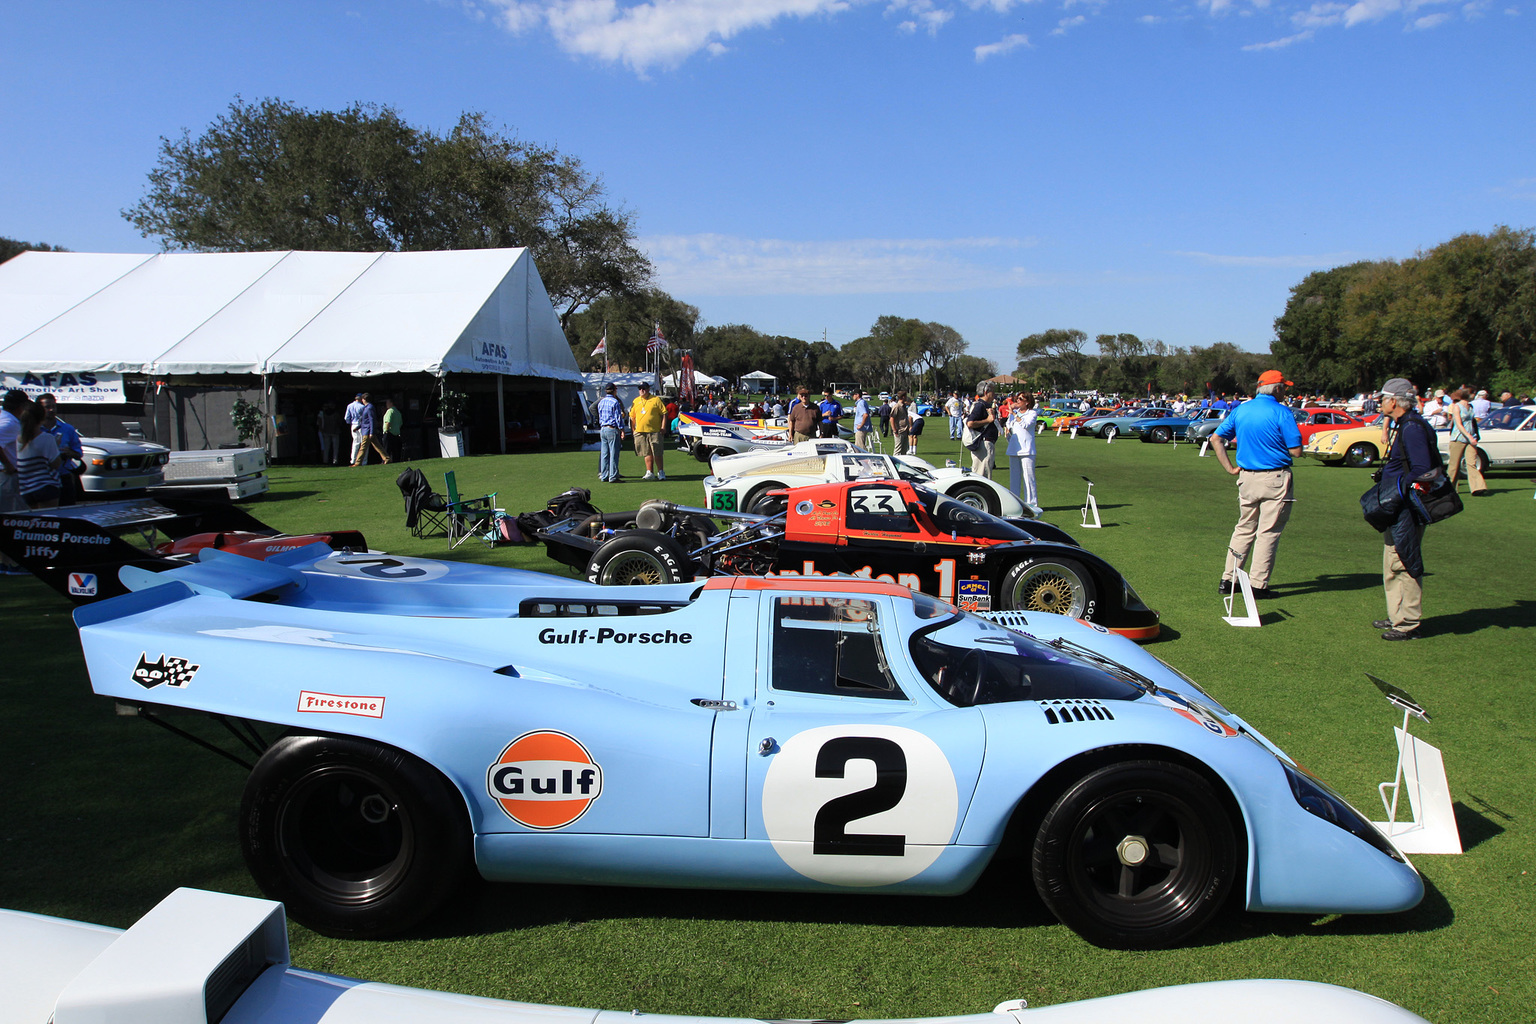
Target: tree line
(1462, 313)
(1128, 365)
(274, 175)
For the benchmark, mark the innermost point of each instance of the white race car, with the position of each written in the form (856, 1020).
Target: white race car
(707, 436)
(742, 482)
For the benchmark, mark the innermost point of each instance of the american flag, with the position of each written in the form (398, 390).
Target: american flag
(656, 342)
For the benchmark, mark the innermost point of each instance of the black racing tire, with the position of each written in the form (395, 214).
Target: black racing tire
(1138, 855)
(638, 558)
(977, 496)
(703, 452)
(1060, 586)
(357, 839)
(1161, 435)
(1362, 454)
(760, 503)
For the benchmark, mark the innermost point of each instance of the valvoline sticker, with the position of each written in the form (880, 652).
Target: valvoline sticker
(545, 779)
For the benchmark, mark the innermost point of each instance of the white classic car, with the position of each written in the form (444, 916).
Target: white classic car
(742, 482)
(1507, 438)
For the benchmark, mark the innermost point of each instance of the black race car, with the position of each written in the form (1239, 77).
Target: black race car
(883, 529)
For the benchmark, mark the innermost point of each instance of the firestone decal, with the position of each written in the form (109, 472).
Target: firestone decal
(545, 780)
(341, 704)
(176, 672)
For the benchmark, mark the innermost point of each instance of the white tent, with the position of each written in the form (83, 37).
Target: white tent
(671, 379)
(756, 377)
(464, 311)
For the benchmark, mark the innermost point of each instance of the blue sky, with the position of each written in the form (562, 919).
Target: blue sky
(804, 166)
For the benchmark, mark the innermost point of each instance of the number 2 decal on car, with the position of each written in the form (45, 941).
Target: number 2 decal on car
(383, 567)
(859, 805)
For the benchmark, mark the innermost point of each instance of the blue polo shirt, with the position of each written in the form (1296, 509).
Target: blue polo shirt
(1268, 431)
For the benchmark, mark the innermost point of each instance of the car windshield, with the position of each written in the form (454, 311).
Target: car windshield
(954, 517)
(970, 661)
(1509, 418)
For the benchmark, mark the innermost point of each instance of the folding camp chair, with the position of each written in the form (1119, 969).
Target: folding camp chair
(425, 512)
(469, 517)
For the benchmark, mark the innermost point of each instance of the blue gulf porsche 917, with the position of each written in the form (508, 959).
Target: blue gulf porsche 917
(825, 734)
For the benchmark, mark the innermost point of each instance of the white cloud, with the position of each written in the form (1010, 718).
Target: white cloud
(1282, 43)
(709, 264)
(656, 33)
(1002, 46)
(646, 35)
(1210, 259)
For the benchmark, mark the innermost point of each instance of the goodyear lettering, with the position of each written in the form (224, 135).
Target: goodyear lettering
(606, 635)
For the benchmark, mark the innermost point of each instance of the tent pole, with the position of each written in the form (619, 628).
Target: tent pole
(554, 422)
(501, 409)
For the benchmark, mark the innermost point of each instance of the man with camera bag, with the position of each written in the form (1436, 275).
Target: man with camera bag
(1411, 454)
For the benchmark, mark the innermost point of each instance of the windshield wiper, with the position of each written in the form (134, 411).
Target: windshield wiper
(1090, 655)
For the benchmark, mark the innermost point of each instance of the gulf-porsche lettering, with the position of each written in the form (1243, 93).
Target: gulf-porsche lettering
(544, 779)
(606, 635)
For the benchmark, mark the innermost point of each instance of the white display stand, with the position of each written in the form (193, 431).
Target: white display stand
(1421, 770)
(451, 443)
(1251, 618)
(1061, 425)
(1074, 433)
(1205, 448)
(1109, 434)
(1091, 506)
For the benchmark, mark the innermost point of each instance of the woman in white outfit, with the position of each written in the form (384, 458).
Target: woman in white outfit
(1021, 450)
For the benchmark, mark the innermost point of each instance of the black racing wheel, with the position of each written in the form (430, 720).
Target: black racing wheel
(1138, 855)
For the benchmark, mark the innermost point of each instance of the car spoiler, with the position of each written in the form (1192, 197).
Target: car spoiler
(78, 550)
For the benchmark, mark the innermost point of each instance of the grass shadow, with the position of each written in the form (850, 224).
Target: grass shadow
(1476, 828)
(1331, 583)
(1522, 614)
(1434, 913)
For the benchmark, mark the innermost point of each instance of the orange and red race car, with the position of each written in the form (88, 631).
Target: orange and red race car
(889, 530)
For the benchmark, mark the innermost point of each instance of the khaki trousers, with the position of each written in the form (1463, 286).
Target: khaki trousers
(1474, 471)
(1405, 595)
(1264, 505)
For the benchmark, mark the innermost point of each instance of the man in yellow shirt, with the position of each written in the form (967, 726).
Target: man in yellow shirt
(648, 419)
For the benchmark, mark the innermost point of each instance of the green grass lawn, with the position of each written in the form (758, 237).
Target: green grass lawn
(105, 815)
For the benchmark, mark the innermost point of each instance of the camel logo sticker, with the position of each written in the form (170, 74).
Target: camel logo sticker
(545, 779)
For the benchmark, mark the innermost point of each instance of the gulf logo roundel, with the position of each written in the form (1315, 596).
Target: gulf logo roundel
(545, 779)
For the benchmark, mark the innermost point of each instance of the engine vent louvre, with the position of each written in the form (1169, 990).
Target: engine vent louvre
(1059, 712)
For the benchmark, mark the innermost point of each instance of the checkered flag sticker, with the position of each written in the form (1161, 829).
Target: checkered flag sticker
(170, 671)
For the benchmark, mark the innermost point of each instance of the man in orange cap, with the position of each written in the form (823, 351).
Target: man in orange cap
(1267, 440)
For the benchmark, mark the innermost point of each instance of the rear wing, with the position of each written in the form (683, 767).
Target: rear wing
(78, 549)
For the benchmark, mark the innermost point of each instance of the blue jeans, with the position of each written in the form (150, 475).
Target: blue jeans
(954, 426)
(608, 454)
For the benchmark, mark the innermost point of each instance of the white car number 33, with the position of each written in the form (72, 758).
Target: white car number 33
(867, 805)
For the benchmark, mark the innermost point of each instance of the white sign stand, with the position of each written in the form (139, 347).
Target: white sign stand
(1074, 433)
(1422, 770)
(1091, 505)
(1109, 435)
(1251, 618)
(1039, 428)
(1061, 425)
(1205, 448)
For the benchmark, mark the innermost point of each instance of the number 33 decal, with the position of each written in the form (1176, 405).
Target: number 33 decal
(859, 805)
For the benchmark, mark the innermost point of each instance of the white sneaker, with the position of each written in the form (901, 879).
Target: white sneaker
(648, 475)
(661, 476)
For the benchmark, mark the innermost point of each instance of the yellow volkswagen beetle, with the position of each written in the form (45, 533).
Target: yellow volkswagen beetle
(1359, 446)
